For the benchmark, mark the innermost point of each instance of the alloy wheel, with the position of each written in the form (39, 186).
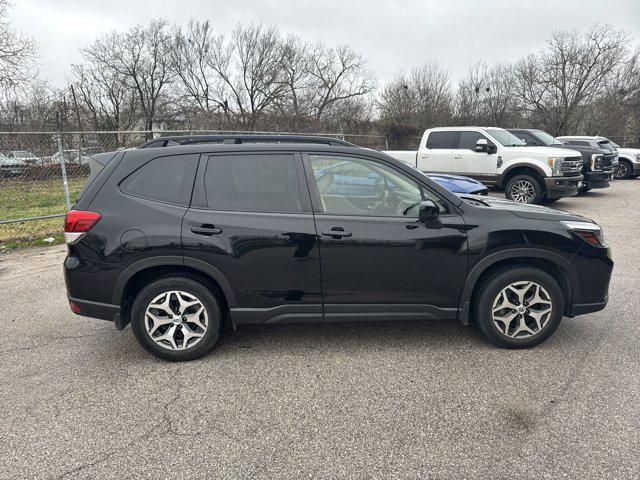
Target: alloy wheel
(521, 309)
(176, 320)
(522, 191)
(622, 171)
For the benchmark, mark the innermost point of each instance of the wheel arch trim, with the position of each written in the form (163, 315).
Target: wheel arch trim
(508, 172)
(169, 260)
(516, 254)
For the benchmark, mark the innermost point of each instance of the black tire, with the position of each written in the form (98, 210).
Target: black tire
(583, 190)
(191, 287)
(494, 285)
(624, 170)
(533, 182)
(551, 200)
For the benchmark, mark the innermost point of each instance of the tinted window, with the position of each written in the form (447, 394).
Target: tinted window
(356, 186)
(607, 145)
(164, 179)
(577, 142)
(441, 139)
(468, 140)
(253, 183)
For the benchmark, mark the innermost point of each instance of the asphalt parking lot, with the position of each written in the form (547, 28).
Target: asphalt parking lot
(375, 400)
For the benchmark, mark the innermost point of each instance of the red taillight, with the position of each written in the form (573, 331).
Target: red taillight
(74, 308)
(79, 221)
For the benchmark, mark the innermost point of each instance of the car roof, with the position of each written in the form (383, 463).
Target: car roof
(458, 128)
(583, 137)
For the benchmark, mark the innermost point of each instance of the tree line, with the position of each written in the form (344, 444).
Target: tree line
(166, 76)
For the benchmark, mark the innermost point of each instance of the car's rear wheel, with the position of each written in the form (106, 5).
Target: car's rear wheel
(624, 170)
(519, 307)
(524, 189)
(176, 318)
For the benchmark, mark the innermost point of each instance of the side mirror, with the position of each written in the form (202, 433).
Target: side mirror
(491, 149)
(482, 145)
(428, 211)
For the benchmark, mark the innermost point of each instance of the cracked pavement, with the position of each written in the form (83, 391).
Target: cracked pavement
(375, 400)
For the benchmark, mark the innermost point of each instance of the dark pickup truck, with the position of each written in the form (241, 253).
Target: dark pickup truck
(598, 162)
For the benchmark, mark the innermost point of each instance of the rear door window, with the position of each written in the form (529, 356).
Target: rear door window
(254, 183)
(442, 140)
(164, 179)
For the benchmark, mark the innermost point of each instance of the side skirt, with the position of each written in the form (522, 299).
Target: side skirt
(340, 313)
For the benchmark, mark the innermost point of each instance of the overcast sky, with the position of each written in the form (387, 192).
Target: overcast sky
(392, 35)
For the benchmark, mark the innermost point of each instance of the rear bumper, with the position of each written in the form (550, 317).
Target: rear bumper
(558, 187)
(86, 308)
(584, 308)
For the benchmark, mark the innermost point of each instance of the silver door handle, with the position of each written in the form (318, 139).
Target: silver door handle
(457, 156)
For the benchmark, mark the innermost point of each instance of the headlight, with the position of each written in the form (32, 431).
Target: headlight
(556, 165)
(597, 162)
(589, 232)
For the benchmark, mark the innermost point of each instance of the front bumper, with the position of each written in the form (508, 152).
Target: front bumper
(598, 179)
(558, 187)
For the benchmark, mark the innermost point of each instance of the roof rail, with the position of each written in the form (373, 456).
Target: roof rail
(174, 140)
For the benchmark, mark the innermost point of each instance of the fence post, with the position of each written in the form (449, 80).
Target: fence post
(64, 171)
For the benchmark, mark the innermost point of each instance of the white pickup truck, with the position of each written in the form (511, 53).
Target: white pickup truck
(497, 158)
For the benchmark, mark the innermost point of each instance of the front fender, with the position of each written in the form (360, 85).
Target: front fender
(513, 254)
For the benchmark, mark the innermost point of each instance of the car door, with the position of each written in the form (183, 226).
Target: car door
(251, 222)
(466, 161)
(435, 155)
(377, 259)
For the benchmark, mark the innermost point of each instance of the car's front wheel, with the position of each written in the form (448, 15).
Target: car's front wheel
(519, 307)
(176, 318)
(524, 189)
(624, 170)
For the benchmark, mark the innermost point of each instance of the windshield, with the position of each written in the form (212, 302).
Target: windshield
(546, 139)
(505, 138)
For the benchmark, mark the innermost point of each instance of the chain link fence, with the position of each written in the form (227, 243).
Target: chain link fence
(42, 172)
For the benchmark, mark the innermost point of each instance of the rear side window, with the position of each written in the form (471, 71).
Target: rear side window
(164, 179)
(253, 183)
(468, 140)
(441, 139)
(578, 142)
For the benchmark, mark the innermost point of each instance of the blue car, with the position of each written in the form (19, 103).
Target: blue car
(459, 184)
(357, 185)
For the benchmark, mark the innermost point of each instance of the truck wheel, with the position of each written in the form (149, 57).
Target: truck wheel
(624, 170)
(176, 318)
(524, 189)
(583, 190)
(519, 307)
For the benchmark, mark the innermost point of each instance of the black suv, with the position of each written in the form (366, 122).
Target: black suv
(206, 233)
(598, 163)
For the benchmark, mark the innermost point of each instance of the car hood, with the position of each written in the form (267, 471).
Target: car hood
(629, 151)
(523, 210)
(554, 151)
(457, 183)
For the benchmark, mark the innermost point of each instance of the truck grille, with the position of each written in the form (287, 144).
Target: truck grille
(571, 165)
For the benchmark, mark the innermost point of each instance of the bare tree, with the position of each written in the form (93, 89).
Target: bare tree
(18, 54)
(338, 74)
(422, 98)
(141, 57)
(192, 60)
(106, 96)
(486, 96)
(556, 85)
